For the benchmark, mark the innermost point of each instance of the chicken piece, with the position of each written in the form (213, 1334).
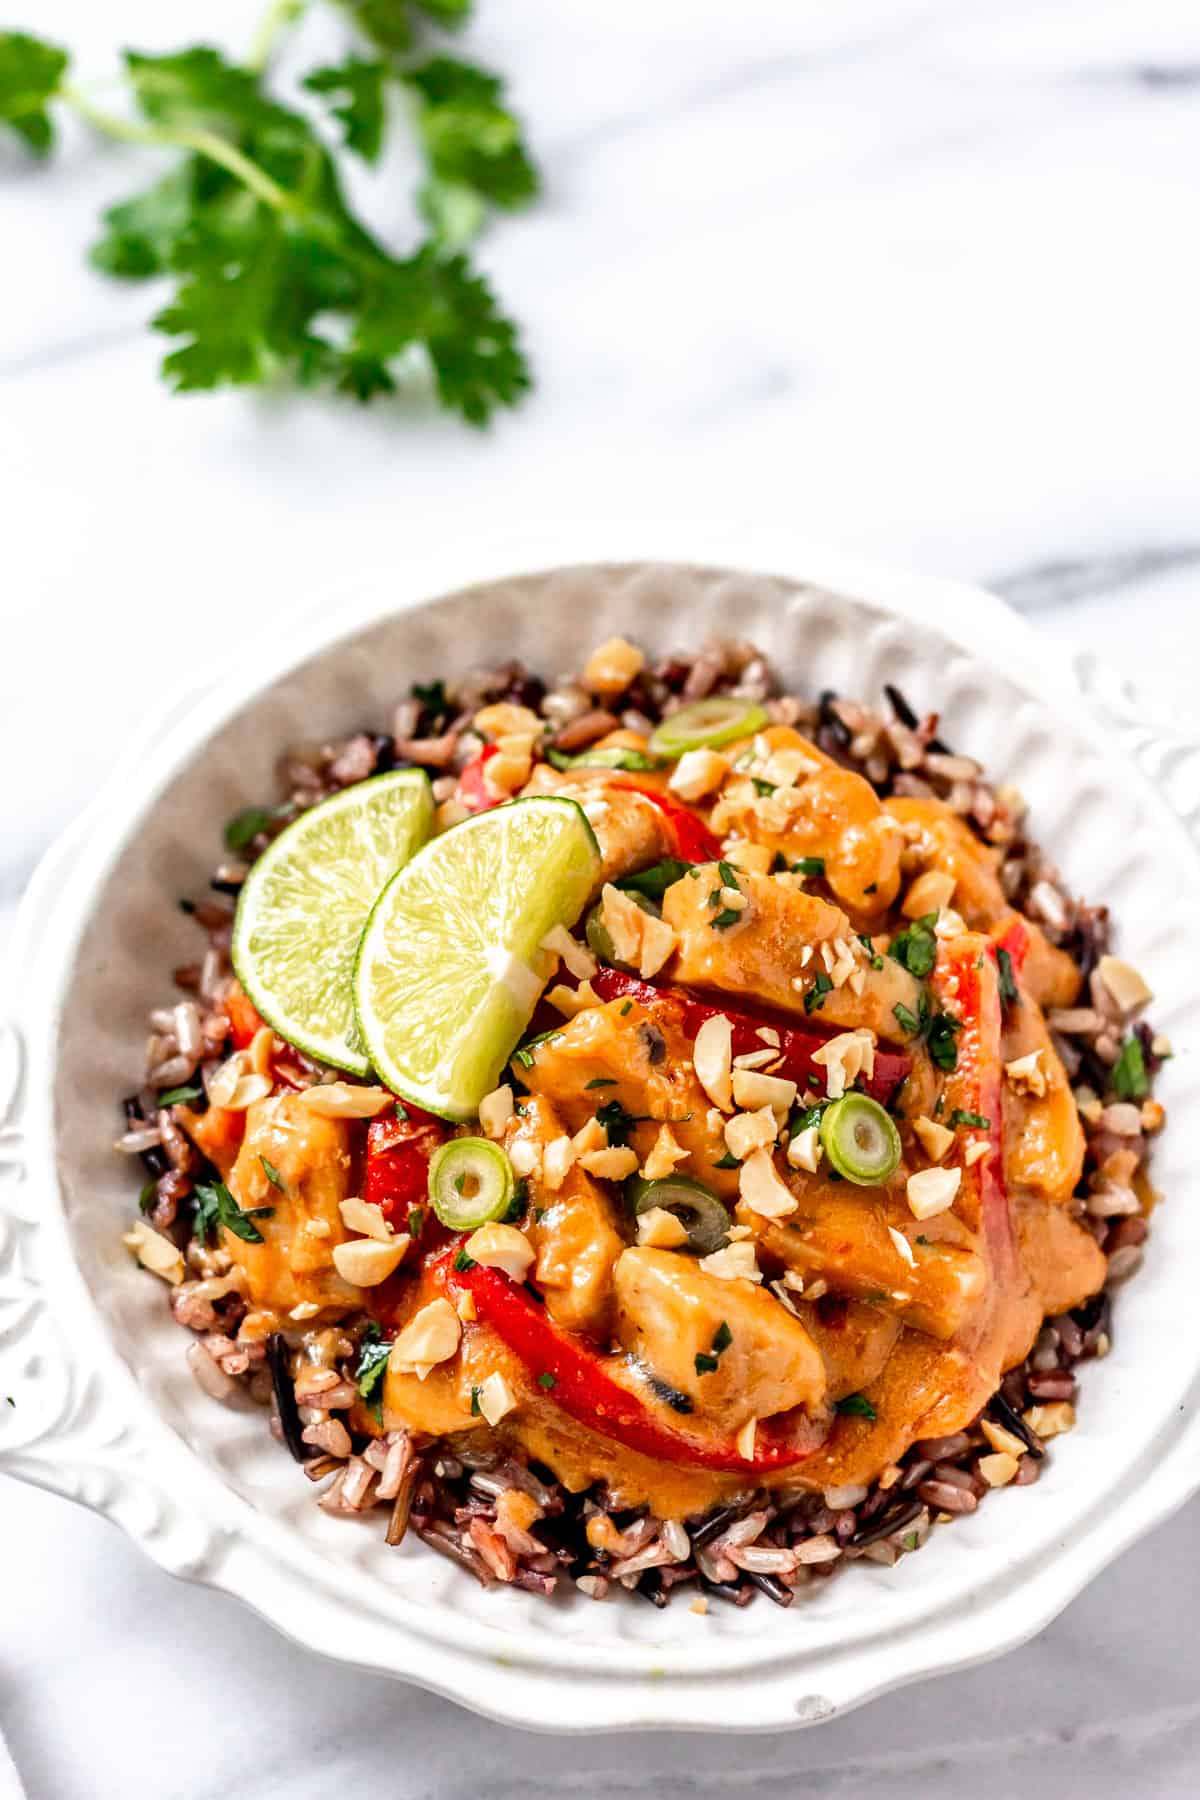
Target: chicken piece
(1043, 1138)
(216, 1133)
(572, 1228)
(941, 839)
(781, 942)
(669, 1311)
(855, 1339)
(311, 1154)
(831, 812)
(1048, 975)
(1064, 1262)
(845, 1240)
(631, 831)
(640, 1059)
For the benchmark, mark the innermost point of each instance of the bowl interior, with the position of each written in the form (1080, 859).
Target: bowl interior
(1088, 809)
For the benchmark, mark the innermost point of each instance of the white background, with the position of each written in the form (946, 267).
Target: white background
(920, 278)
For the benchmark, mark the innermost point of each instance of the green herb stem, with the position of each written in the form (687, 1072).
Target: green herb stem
(164, 137)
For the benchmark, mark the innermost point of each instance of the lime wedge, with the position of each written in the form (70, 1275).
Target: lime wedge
(304, 904)
(448, 969)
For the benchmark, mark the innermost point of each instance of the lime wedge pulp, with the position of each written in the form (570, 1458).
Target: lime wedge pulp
(448, 969)
(305, 901)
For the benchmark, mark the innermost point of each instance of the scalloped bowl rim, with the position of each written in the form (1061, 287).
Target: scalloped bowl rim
(528, 1678)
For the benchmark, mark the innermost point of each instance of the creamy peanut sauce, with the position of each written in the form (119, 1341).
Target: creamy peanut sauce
(925, 1334)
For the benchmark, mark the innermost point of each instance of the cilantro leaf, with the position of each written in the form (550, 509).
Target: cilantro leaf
(1129, 1078)
(1007, 981)
(357, 89)
(373, 1353)
(471, 139)
(141, 234)
(939, 1037)
(618, 1124)
(31, 72)
(215, 1205)
(856, 1406)
(915, 949)
(814, 1000)
(391, 25)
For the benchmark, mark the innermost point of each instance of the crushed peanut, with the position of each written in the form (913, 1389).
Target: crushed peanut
(612, 666)
(339, 1100)
(360, 1215)
(155, 1252)
(697, 774)
(659, 1229)
(557, 1157)
(501, 1247)
(495, 1110)
(1124, 983)
(663, 1156)
(736, 1262)
(935, 1139)
(753, 1090)
(576, 957)
(1050, 1420)
(844, 1058)
(712, 1059)
(928, 894)
(365, 1263)
(931, 1191)
(747, 1132)
(1005, 1442)
(763, 1189)
(998, 1470)
(610, 1165)
(804, 1151)
(1027, 1075)
(494, 1398)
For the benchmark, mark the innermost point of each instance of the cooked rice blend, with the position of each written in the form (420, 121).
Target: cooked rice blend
(819, 1159)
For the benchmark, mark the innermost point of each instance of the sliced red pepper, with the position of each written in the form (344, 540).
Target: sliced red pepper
(1012, 936)
(967, 984)
(244, 1020)
(796, 1047)
(472, 789)
(396, 1177)
(585, 1390)
(692, 841)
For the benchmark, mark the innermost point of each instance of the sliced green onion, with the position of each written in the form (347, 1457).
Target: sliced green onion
(860, 1140)
(612, 756)
(470, 1183)
(1129, 1078)
(698, 1210)
(706, 724)
(596, 931)
(654, 881)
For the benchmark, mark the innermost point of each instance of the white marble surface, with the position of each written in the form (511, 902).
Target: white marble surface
(921, 277)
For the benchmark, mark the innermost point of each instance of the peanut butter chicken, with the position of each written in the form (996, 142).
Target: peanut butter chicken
(781, 1180)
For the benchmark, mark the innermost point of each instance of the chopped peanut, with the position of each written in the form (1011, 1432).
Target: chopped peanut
(712, 1059)
(501, 1247)
(932, 1191)
(763, 1189)
(365, 1263)
(698, 773)
(663, 1156)
(611, 667)
(935, 1139)
(431, 1336)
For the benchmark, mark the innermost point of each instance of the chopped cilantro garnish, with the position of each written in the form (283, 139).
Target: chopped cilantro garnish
(728, 1161)
(416, 1221)
(518, 1203)
(628, 1007)
(1129, 1077)
(432, 697)
(856, 1406)
(475, 1403)
(372, 1361)
(725, 919)
(907, 1020)
(911, 1540)
(617, 1123)
(525, 1053)
(915, 949)
(600, 1081)
(1008, 985)
(722, 1337)
(939, 1036)
(272, 1174)
(804, 1117)
(463, 1262)
(922, 1240)
(814, 1000)
(147, 1197)
(215, 1205)
(809, 865)
(244, 827)
(546, 1380)
(728, 875)
(868, 945)
(707, 1361)
(959, 1117)
(180, 1096)
(705, 1364)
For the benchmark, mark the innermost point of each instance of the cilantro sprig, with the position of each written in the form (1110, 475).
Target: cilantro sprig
(276, 278)
(215, 1205)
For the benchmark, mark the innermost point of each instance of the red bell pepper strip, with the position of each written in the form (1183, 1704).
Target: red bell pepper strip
(396, 1177)
(796, 1048)
(967, 985)
(472, 789)
(244, 1020)
(692, 841)
(585, 1390)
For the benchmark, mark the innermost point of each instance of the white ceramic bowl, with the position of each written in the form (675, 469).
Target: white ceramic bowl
(109, 1414)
